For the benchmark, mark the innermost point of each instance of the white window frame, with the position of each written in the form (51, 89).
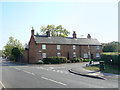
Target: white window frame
(43, 46)
(85, 55)
(43, 55)
(58, 47)
(58, 54)
(97, 47)
(97, 54)
(74, 54)
(74, 47)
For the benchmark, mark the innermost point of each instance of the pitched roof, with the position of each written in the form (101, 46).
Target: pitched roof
(65, 40)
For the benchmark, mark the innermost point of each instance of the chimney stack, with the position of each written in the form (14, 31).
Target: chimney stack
(88, 36)
(74, 34)
(32, 32)
(48, 33)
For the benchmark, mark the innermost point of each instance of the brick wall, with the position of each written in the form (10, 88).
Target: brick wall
(51, 50)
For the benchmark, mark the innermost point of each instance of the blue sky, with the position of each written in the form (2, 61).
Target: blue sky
(100, 19)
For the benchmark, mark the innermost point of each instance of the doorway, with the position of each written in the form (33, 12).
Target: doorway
(68, 56)
(91, 56)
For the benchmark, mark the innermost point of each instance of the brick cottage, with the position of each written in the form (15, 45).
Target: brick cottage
(42, 46)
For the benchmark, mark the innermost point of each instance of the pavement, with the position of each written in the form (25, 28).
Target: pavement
(93, 74)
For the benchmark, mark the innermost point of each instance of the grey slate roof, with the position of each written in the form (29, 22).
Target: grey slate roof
(65, 40)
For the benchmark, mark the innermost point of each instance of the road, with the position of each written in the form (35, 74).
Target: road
(48, 76)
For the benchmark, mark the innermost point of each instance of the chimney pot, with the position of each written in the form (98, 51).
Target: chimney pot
(48, 33)
(89, 36)
(32, 32)
(74, 34)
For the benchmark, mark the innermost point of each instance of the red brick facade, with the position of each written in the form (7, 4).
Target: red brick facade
(35, 50)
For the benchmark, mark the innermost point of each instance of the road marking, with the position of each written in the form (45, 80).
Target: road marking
(17, 68)
(3, 85)
(28, 72)
(53, 81)
(57, 71)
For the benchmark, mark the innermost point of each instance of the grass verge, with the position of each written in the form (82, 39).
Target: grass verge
(108, 69)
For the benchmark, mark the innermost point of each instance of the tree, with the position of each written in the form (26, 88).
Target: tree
(0, 53)
(111, 47)
(12, 43)
(16, 53)
(55, 31)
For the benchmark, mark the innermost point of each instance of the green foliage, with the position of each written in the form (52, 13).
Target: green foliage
(85, 60)
(12, 43)
(0, 53)
(16, 53)
(74, 60)
(110, 53)
(54, 60)
(55, 31)
(107, 57)
(111, 47)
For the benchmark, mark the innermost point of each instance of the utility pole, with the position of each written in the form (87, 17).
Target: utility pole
(89, 51)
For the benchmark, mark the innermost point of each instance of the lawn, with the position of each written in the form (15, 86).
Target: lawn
(108, 69)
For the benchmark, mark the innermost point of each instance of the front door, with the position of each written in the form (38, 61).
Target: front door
(68, 55)
(91, 56)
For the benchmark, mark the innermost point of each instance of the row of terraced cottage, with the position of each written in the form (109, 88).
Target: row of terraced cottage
(42, 46)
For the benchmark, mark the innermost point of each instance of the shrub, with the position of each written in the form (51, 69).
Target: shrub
(54, 60)
(97, 59)
(106, 58)
(75, 60)
(68, 61)
(85, 60)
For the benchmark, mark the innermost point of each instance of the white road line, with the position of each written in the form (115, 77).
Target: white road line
(17, 68)
(53, 81)
(28, 72)
(47, 69)
(57, 71)
(3, 85)
(61, 71)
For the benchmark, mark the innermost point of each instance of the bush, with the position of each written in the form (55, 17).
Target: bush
(54, 60)
(68, 61)
(107, 57)
(85, 60)
(75, 60)
(97, 60)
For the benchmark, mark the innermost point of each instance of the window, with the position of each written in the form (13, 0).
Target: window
(43, 46)
(74, 47)
(58, 47)
(85, 55)
(58, 54)
(97, 47)
(97, 54)
(44, 55)
(74, 54)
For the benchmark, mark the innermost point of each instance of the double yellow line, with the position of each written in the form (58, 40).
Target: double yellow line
(3, 85)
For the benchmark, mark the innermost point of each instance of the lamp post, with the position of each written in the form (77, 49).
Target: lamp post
(88, 50)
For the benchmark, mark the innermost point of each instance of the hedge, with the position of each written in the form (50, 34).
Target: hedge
(54, 60)
(107, 57)
(74, 60)
(80, 60)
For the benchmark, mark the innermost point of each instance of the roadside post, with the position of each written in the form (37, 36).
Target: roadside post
(101, 65)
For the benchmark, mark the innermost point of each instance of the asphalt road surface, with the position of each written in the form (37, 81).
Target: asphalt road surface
(48, 76)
